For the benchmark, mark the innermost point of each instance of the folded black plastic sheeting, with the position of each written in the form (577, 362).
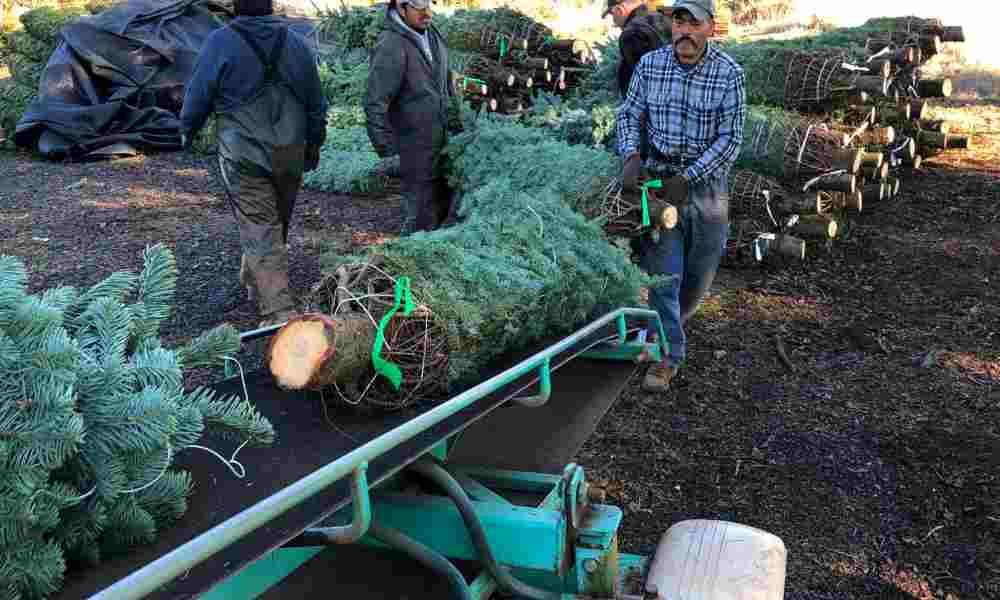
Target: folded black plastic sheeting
(115, 84)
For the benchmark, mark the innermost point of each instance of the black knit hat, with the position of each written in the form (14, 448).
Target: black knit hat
(254, 8)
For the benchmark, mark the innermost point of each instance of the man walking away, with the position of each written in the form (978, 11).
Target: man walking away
(695, 100)
(406, 105)
(643, 31)
(263, 84)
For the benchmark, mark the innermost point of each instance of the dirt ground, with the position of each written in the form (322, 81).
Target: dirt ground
(877, 460)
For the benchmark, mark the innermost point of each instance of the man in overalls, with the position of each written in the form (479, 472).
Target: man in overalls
(262, 82)
(406, 105)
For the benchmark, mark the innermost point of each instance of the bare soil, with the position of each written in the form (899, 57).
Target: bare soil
(877, 460)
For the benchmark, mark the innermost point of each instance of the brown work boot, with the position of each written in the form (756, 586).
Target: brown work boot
(246, 278)
(658, 377)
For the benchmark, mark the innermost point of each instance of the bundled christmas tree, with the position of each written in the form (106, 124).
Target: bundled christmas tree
(415, 315)
(92, 414)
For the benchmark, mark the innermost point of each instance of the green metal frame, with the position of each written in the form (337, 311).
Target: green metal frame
(180, 560)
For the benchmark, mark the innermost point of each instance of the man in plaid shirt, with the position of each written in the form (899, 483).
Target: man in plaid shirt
(694, 102)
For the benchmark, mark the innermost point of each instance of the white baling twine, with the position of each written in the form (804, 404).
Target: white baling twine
(767, 205)
(814, 180)
(235, 466)
(881, 52)
(802, 148)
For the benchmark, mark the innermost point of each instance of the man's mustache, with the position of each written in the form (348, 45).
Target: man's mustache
(685, 38)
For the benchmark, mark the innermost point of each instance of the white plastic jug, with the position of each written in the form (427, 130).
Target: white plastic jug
(702, 559)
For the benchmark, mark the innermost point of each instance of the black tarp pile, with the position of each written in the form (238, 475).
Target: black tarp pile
(115, 84)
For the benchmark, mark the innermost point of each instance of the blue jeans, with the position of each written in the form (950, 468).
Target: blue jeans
(689, 253)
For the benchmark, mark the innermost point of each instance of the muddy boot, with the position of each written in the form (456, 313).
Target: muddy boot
(268, 272)
(658, 377)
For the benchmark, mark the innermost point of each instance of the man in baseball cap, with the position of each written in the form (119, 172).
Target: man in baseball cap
(690, 99)
(409, 94)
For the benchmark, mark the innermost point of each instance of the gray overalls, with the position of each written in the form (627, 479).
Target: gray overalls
(261, 157)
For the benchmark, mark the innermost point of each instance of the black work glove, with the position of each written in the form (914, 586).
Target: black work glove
(312, 157)
(630, 173)
(675, 191)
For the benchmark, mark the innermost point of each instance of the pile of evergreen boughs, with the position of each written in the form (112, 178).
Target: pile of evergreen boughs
(92, 414)
(348, 164)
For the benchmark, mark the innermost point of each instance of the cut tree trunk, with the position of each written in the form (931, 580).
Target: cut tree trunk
(873, 173)
(844, 182)
(893, 114)
(784, 247)
(932, 139)
(313, 351)
(934, 88)
(879, 136)
(845, 201)
(960, 142)
(848, 159)
(798, 204)
(871, 159)
(814, 227)
(881, 67)
(892, 187)
(938, 125)
(916, 108)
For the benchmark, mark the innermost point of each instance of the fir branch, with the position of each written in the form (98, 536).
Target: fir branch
(157, 368)
(166, 500)
(207, 349)
(116, 286)
(33, 570)
(128, 525)
(13, 285)
(104, 330)
(137, 422)
(157, 284)
(231, 418)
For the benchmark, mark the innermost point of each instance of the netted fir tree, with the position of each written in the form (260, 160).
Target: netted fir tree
(523, 261)
(93, 413)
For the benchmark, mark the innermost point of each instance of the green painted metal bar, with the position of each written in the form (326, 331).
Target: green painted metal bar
(176, 562)
(545, 391)
(622, 329)
(263, 574)
(478, 491)
(627, 351)
(521, 481)
(520, 536)
(360, 500)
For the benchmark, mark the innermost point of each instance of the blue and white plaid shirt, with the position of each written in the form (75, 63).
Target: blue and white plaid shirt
(695, 115)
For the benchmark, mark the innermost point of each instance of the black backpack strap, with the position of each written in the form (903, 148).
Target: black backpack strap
(270, 64)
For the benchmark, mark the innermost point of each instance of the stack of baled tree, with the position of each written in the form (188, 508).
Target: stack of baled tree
(836, 122)
(498, 57)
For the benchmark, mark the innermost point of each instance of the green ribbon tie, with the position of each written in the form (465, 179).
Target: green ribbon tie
(656, 184)
(503, 44)
(387, 369)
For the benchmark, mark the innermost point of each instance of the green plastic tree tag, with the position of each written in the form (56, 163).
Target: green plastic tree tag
(503, 44)
(656, 184)
(387, 369)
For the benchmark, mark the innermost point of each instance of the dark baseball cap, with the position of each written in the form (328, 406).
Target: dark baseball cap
(699, 9)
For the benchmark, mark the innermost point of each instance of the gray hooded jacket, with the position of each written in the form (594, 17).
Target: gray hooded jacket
(406, 102)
